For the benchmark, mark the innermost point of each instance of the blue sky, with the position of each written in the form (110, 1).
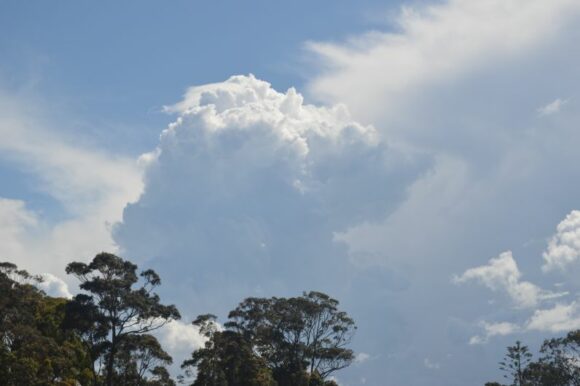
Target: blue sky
(416, 160)
(118, 63)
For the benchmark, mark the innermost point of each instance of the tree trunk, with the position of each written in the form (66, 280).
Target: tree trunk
(111, 359)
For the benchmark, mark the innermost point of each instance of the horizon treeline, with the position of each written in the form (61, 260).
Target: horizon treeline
(103, 336)
(558, 363)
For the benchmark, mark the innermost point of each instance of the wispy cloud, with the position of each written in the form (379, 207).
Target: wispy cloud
(428, 363)
(433, 43)
(91, 186)
(494, 329)
(552, 107)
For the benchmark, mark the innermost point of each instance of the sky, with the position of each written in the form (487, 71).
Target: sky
(416, 160)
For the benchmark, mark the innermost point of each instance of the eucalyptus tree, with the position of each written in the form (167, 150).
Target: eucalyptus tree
(34, 350)
(298, 341)
(227, 359)
(559, 364)
(118, 305)
(307, 333)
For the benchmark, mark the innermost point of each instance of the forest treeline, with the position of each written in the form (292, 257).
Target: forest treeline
(104, 335)
(558, 363)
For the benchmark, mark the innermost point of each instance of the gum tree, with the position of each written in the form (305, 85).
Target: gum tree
(118, 305)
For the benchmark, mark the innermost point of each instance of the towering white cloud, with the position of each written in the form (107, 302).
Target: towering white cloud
(247, 188)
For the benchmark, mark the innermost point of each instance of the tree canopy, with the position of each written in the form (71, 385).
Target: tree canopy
(282, 341)
(557, 365)
(116, 314)
(105, 334)
(34, 349)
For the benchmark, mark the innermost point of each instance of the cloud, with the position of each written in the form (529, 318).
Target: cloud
(494, 329)
(15, 220)
(229, 212)
(246, 192)
(361, 357)
(431, 44)
(564, 246)
(445, 80)
(431, 365)
(89, 186)
(177, 335)
(247, 188)
(54, 286)
(560, 318)
(17, 227)
(552, 107)
(81, 178)
(254, 192)
(180, 338)
(502, 274)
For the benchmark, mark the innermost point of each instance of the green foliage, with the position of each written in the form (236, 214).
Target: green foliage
(226, 359)
(103, 335)
(296, 341)
(515, 362)
(140, 356)
(34, 349)
(559, 364)
(114, 318)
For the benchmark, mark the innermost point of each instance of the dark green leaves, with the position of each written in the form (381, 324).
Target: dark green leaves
(34, 348)
(116, 315)
(296, 341)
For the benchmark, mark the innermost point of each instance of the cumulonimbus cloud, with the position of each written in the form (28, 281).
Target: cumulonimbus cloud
(248, 186)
